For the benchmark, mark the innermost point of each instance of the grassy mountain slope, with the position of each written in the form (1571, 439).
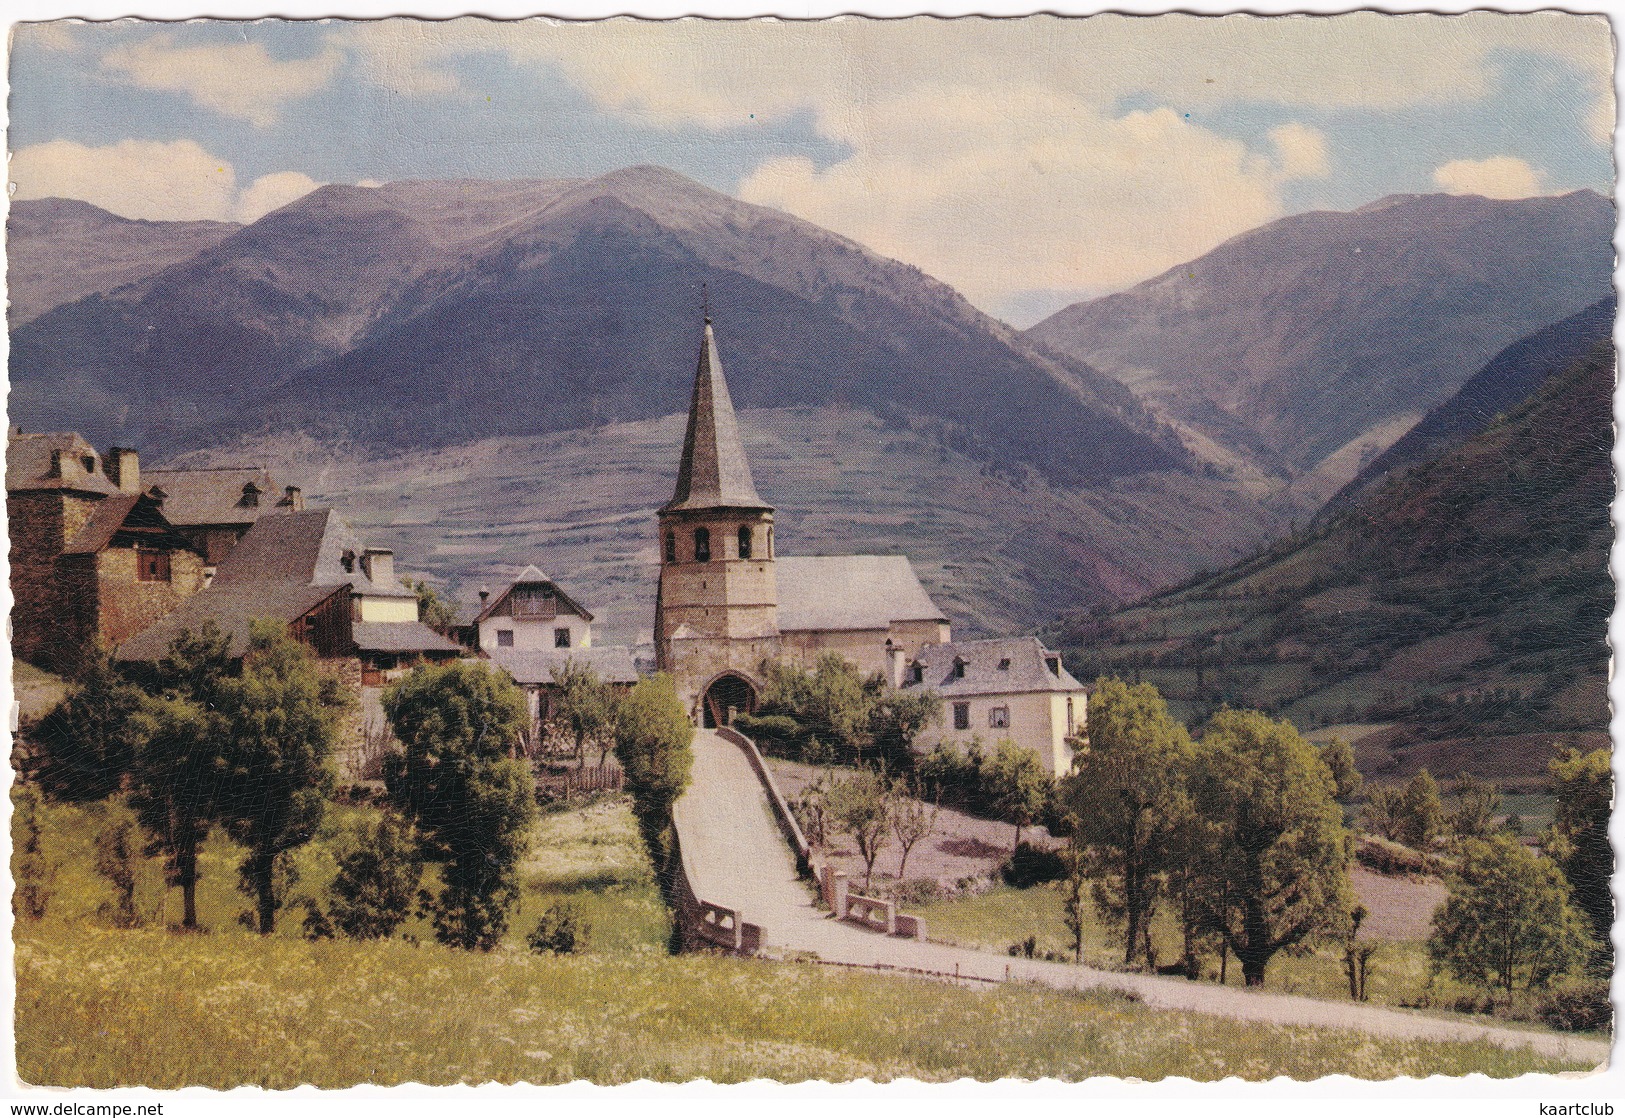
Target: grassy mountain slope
(1459, 608)
(998, 553)
(1312, 343)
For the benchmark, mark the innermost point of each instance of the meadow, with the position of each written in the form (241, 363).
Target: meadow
(102, 1007)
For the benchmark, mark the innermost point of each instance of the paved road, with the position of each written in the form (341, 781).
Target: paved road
(738, 858)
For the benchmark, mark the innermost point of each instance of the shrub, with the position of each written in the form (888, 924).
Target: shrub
(373, 891)
(917, 890)
(1032, 865)
(561, 930)
(1576, 1006)
(30, 870)
(117, 850)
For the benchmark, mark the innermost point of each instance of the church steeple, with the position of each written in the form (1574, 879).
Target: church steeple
(714, 472)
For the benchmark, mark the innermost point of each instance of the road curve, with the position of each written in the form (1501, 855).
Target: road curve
(738, 858)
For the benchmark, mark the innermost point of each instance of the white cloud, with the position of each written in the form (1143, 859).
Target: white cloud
(272, 192)
(240, 80)
(1301, 151)
(1501, 176)
(1073, 197)
(155, 181)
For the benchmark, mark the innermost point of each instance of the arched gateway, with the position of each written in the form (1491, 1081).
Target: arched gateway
(728, 695)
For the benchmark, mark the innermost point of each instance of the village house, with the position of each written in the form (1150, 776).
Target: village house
(310, 571)
(214, 507)
(1006, 689)
(532, 629)
(93, 557)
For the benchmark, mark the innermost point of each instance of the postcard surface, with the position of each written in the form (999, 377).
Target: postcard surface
(1057, 547)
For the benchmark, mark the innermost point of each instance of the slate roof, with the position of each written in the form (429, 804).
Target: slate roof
(232, 608)
(713, 472)
(532, 576)
(28, 464)
(400, 636)
(613, 664)
(136, 516)
(1003, 666)
(828, 592)
(302, 547)
(214, 496)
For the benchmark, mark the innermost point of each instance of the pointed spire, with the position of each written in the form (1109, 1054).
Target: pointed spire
(714, 472)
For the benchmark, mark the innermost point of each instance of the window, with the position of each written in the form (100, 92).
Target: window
(744, 541)
(1004, 665)
(998, 718)
(1054, 663)
(961, 716)
(702, 545)
(919, 672)
(347, 561)
(770, 543)
(152, 566)
(671, 547)
(561, 638)
(504, 638)
(1071, 718)
(959, 667)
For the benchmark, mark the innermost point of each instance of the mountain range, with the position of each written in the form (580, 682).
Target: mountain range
(1452, 614)
(423, 314)
(531, 339)
(1304, 348)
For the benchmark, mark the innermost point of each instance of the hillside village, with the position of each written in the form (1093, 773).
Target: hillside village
(128, 561)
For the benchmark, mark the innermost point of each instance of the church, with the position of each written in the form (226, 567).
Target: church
(727, 601)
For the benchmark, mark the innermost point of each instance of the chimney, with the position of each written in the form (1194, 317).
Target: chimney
(123, 467)
(293, 498)
(56, 463)
(379, 565)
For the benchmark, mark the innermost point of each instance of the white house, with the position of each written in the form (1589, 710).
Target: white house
(1008, 689)
(532, 615)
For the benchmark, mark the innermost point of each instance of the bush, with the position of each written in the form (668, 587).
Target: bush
(1032, 865)
(560, 931)
(1576, 1006)
(917, 890)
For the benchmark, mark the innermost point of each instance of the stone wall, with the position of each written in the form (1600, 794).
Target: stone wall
(125, 605)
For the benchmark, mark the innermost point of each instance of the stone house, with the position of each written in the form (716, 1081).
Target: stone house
(1007, 689)
(93, 557)
(215, 507)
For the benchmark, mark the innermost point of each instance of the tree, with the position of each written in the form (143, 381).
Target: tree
(1508, 920)
(1357, 956)
(832, 703)
(279, 726)
(86, 741)
(1339, 758)
(1422, 812)
(1128, 796)
(433, 610)
(1476, 805)
(470, 800)
(654, 740)
(586, 704)
(377, 882)
(1384, 812)
(1075, 889)
(178, 764)
(1018, 787)
(912, 821)
(899, 716)
(1268, 843)
(1578, 838)
(860, 806)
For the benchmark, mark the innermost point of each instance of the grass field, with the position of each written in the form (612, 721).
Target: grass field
(105, 1008)
(1400, 973)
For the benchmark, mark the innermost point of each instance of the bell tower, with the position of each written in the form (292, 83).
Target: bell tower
(716, 610)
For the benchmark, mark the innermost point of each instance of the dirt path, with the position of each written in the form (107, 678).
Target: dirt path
(739, 859)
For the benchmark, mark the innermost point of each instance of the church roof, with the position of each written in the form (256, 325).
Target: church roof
(714, 472)
(830, 592)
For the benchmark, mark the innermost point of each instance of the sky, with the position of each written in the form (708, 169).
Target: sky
(1027, 162)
